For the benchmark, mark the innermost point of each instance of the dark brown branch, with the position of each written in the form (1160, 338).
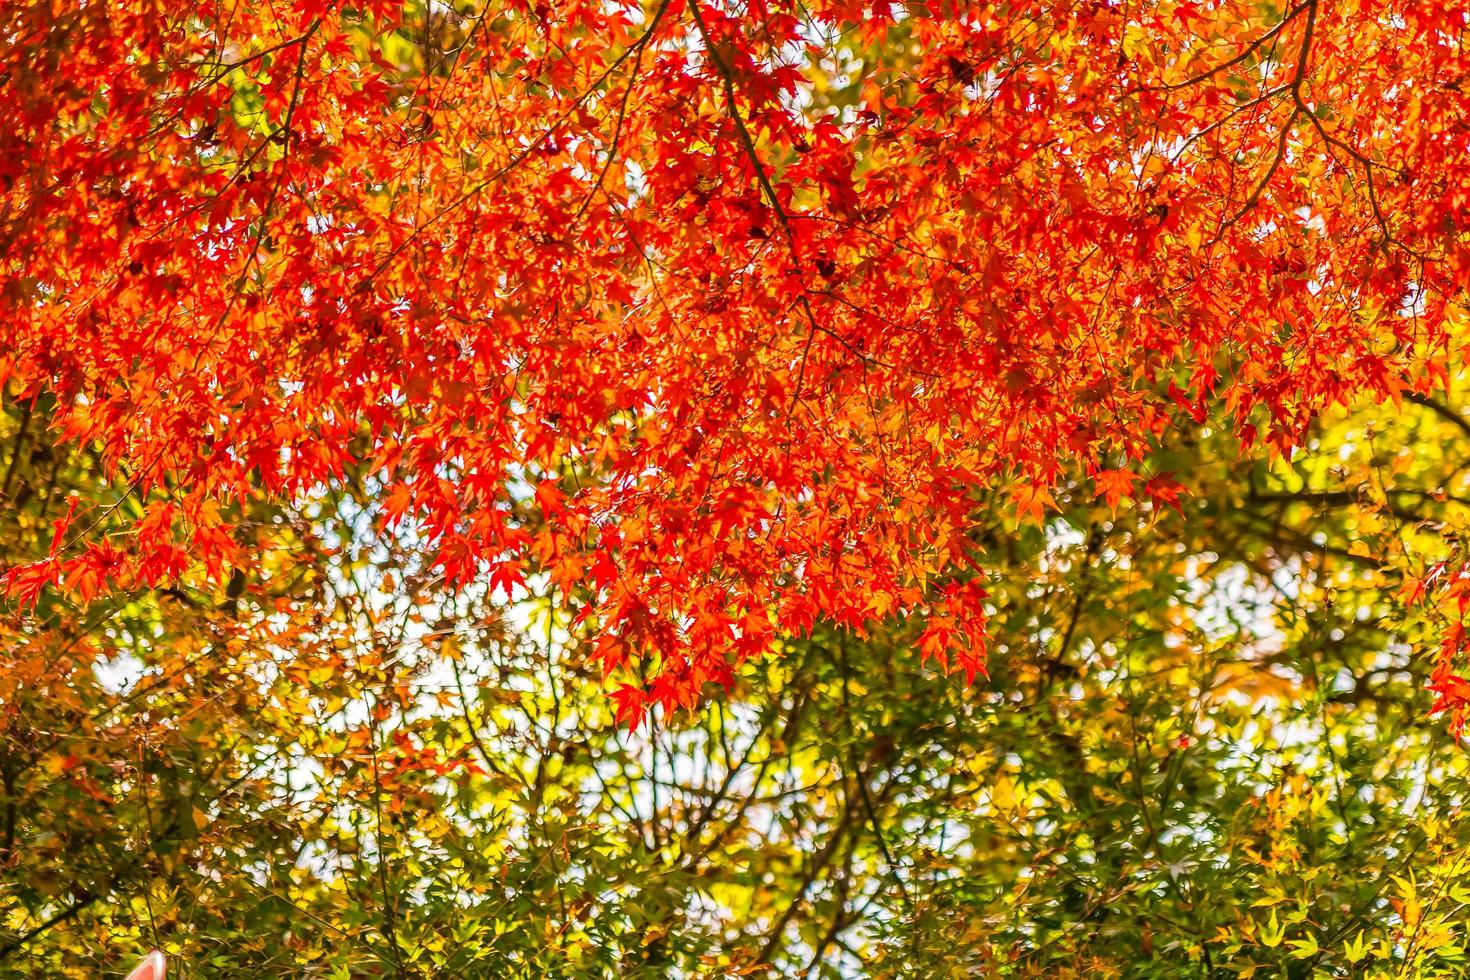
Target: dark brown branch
(1441, 409)
(65, 915)
(1298, 108)
(612, 152)
(727, 80)
(818, 864)
(20, 443)
(1250, 49)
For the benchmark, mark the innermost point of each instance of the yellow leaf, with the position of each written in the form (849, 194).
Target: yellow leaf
(1272, 932)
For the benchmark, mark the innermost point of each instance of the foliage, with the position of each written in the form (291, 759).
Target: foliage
(400, 399)
(758, 302)
(1205, 749)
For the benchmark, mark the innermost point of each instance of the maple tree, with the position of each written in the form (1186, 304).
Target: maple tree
(336, 334)
(748, 301)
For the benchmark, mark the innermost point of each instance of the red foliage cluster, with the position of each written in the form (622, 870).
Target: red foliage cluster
(750, 308)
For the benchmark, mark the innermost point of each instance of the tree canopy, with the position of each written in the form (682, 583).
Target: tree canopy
(491, 487)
